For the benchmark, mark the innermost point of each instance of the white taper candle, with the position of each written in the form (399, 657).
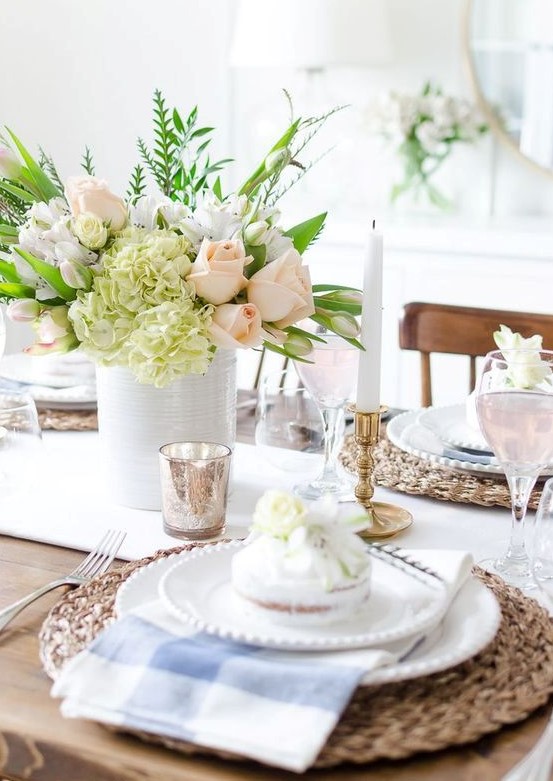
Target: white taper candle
(368, 382)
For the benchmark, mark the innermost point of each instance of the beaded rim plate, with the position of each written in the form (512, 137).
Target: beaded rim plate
(469, 625)
(449, 424)
(402, 430)
(198, 591)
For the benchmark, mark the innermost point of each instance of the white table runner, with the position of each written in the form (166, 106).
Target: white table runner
(65, 504)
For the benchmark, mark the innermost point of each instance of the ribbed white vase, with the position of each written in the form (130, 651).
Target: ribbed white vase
(134, 420)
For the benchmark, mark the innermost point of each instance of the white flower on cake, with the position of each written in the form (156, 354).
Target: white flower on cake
(302, 565)
(525, 366)
(277, 514)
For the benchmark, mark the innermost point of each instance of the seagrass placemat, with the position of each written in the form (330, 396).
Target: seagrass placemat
(401, 471)
(68, 420)
(503, 684)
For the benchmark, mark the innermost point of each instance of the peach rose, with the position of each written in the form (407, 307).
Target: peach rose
(88, 194)
(218, 271)
(237, 325)
(281, 290)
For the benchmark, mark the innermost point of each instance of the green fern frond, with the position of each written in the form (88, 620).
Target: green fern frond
(149, 162)
(137, 184)
(165, 142)
(47, 164)
(88, 162)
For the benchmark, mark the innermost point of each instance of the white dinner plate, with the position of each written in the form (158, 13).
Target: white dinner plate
(405, 432)
(409, 435)
(450, 425)
(54, 371)
(61, 383)
(470, 623)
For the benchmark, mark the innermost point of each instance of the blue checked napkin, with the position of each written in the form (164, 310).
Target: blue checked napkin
(148, 672)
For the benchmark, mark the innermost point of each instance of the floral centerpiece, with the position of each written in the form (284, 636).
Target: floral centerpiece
(157, 282)
(424, 129)
(163, 284)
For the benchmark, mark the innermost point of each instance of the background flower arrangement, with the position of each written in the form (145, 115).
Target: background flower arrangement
(423, 129)
(157, 282)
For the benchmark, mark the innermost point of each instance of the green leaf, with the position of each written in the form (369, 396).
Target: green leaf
(44, 184)
(9, 272)
(336, 306)
(305, 232)
(281, 351)
(217, 189)
(177, 121)
(8, 230)
(201, 131)
(260, 173)
(16, 290)
(19, 192)
(259, 254)
(50, 274)
(293, 329)
(322, 288)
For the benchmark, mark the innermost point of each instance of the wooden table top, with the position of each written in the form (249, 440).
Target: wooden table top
(37, 743)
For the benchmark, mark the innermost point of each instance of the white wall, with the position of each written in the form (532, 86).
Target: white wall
(484, 180)
(84, 73)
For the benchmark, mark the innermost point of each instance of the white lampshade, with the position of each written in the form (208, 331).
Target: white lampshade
(311, 34)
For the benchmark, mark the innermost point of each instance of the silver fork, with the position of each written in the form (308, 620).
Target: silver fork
(97, 562)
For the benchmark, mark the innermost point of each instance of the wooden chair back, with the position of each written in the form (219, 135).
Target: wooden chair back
(461, 330)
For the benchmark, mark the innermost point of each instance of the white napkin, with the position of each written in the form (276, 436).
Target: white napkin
(148, 672)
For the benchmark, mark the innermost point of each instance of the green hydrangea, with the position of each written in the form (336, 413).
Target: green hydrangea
(169, 341)
(141, 313)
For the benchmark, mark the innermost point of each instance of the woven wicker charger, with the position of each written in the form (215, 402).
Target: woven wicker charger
(401, 471)
(68, 420)
(502, 685)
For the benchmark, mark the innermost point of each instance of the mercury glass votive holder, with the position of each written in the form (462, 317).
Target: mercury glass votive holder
(194, 487)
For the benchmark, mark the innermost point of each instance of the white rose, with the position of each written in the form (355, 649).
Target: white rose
(90, 230)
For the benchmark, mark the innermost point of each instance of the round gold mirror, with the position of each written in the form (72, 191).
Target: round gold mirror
(509, 45)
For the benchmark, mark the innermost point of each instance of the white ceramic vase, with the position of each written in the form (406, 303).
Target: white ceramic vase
(134, 420)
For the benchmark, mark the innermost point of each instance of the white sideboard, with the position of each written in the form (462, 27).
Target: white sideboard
(500, 266)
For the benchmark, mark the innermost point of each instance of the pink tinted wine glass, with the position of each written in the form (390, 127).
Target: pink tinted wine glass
(330, 378)
(514, 404)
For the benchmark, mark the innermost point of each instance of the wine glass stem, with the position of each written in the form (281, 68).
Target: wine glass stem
(332, 417)
(520, 487)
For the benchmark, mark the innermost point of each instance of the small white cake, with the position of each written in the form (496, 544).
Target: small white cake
(314, 571)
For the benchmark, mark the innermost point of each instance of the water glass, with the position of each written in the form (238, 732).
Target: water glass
(288, 427)
(20, 442)
(194, 488)
(541, 548)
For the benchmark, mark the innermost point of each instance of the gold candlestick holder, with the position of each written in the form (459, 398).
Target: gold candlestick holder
(385, 519)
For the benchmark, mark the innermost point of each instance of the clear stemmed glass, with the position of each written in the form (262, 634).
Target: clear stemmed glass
(541, 552)
(514, 404)
(288, 428)
(330, 378)
(20, 443)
